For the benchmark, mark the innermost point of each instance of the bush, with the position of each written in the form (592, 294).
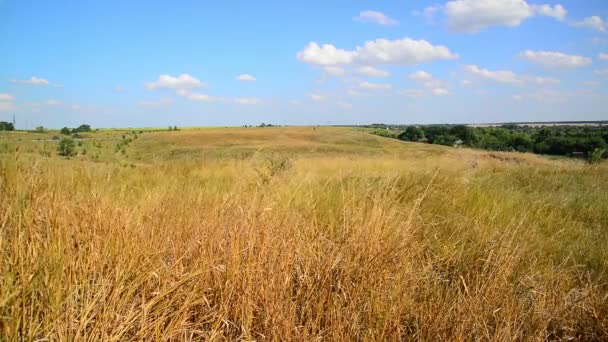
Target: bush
(66, 147)
(6, 126)
(596, 156)
(65, 131)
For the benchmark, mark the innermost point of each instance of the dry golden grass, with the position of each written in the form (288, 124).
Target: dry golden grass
(299, 234)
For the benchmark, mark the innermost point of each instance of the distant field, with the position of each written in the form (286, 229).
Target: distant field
(298, 233)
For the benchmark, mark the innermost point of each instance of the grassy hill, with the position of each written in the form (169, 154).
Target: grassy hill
(296, 234)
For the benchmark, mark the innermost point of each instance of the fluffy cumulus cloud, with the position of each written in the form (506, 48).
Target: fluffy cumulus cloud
(200, 97)
(592, 23)
(33, 81)
(245, 78)
(401, 52)
(440, 91)
(325, 54)
(435, 86)
(507, 76)
(471, 16)
(420, 76)
(558, 11)
(183, 81)
(372, 72)
(553, 59)
(405, 51)
(375, 17)
(603, 56)
(374, 86)
(334, 71)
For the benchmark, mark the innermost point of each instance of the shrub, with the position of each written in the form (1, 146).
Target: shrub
(66, 147)
(66, 131)
(596, 156)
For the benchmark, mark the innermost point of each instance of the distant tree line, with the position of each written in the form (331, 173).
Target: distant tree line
(588, 141)
(79, 129)
(6, 126)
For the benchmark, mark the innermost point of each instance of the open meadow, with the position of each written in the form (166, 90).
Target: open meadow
(296, 233)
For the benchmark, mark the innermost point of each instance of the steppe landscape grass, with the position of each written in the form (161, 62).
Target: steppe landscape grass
(297, 234)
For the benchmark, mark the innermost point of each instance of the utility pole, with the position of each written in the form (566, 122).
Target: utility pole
(14, 123)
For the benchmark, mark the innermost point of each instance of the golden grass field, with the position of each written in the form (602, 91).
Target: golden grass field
(297, 234)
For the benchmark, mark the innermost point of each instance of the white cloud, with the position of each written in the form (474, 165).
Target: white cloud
(6, 97)
(317, 97)
(546, 95)
(246, 100)
(558, 11)
(245, 78)
(413, 93)
(183, 81)
(357, 93)
(375, 17)
(375, 86)
(326, 54)
(466, 82)
(472, 16)
(542, 80)
(53, 102)
(500, 76)
(436, 87)
(601, 72)
(440, 91)
(603, 56)
(345, 105)
(119, 89)
(295, 102)
(401, 52)
(197, 96)
(160, 103)
(508, 77)
(593, 23)
(372, 72)
(76, 107)
(420, 76)
(32, 81)
(377, 52)
(334, 70)
(553, 59)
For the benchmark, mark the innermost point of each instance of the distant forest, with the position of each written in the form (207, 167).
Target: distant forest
(567, 140)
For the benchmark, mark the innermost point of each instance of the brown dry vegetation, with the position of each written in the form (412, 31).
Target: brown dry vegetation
(298, 234)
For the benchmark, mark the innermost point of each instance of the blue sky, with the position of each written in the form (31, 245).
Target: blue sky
(199, 63)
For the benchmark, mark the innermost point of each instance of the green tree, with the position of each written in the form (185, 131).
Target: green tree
(412, 133)
(82, 128)
(66, 147)
(6, 126)
(65, 131)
